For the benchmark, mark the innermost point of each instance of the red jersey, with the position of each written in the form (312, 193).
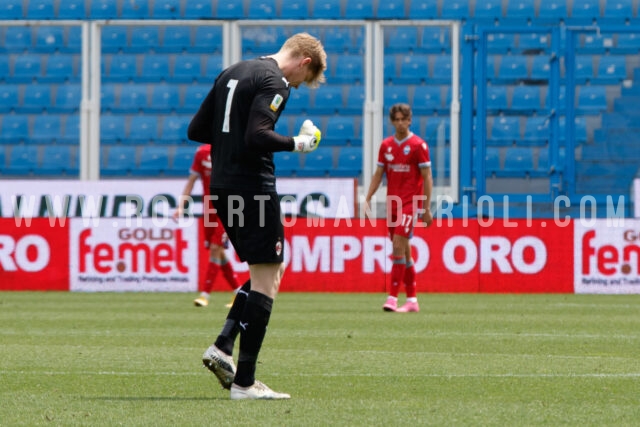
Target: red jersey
(402, 161)
(202, 166)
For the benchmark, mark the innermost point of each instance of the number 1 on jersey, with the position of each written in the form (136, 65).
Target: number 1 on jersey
(227, 109)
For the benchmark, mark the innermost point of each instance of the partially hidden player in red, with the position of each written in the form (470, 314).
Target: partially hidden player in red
(215, 238)
(404, 158)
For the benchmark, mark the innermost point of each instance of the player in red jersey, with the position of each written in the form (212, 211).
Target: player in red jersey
(215, 237)
(404, 158)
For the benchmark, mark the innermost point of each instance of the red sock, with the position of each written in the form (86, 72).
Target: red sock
(410, 281)
(230, 275)
(397, 272)
(210, 277)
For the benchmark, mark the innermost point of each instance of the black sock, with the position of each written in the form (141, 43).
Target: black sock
(253, 328)
(230, 330)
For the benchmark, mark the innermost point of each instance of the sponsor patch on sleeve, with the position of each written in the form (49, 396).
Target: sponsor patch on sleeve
(276, 102)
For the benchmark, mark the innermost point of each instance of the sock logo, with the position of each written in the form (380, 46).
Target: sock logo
(244, 325)
(240, 291)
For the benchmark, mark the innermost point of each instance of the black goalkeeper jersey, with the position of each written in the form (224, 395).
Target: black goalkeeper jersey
(237, 118)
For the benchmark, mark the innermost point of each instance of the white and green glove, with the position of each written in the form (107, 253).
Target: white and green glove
(308, 138)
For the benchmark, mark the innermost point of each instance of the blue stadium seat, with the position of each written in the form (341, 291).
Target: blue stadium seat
(123, 68)
(441, 70)
(611, 70)
(40, 9)
(394, 94)
(299, 100)
(212, 67)
(47, 129)
(544, 168)
(337, 40)
(36, 98)
(112, 129)
(133, 98)
(595, 43)
(72, 9)
(187, 69)
(71, 130)
(317, 163)
(164, 98)
(492, 161)
(49, 39)
(59, 69)
(518, 162)
(541, 67)
(512, 69)
(135, 9)
(193, 97)
(114, 38)
(143, 129)
(230, 10)
(286, 163)
(11, 9)
(583, 68)
(262, 9)
(505, 130)
(166, 9)
(181, 161)
(349, 162)
(347, 69)
(553, 12)
(520, 10)
(341, 131)
(427, 99)
(15, 129)
(401, 39)
(18, 39)
(617, 11)
(174, 130)
(295, 9)
(3, 159)
(355, 100)
(414, 69)
(153, 161)
(435, 125)
(8, 97)
(500, 42)
(4, 65)
(176, 39)
(358, 9)
(534, 42)
(585, 11)
(391, 9)
(526, 99)
(423, 9)
(103, 9)
(497, 99)
(155, 68)
(144, 39)
(208, 39)
(23, 160)
(592, 100)
(57, 160)
(435, 40)
(580, 129)
(488, 11)
(26, 68)
(326, 9)
(328, 100)
(536, 130)
(628, 43)
(119, 161)
(455, 9)
(107, 96)
(198, 9)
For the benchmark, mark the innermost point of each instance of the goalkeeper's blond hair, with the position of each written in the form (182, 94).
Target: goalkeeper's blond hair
(304, 44)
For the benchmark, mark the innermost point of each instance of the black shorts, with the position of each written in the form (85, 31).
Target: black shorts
(253, 224)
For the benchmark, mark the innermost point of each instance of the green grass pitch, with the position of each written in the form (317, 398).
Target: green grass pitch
(500, 360)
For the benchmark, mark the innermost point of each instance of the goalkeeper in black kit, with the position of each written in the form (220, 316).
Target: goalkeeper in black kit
(237, 118)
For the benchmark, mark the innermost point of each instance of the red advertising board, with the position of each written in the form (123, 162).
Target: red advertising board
(34, 255)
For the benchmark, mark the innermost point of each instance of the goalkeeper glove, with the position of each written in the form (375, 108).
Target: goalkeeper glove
(308, 138)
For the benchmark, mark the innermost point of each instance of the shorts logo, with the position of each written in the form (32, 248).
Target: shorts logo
(277, 101)
(278, 248)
